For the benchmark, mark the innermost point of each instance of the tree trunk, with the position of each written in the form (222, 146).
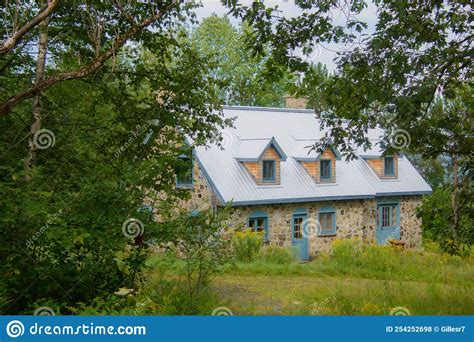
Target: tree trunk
(40, 65)
(454, 198)
(118, 42)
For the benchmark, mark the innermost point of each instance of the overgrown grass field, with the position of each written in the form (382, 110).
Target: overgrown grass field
(356, 279)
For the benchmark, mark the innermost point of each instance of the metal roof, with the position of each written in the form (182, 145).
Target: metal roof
(254, 128)
(253, 149)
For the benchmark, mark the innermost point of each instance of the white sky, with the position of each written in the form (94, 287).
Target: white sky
(324, 54)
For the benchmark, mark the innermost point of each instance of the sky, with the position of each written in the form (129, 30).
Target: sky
(325, 53)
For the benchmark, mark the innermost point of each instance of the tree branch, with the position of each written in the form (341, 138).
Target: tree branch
(119, 6)
(6, 106)
(7, 45)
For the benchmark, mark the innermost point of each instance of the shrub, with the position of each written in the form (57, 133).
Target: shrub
(199, 241)
(247, 244)
(436, 214)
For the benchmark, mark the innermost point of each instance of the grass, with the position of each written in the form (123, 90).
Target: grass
(356, 280)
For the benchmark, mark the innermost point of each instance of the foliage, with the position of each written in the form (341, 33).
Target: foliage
(312, 86)
(243, 77)
(82, 37)
(163, 297)
(356, 279)
(86, 185)
(436, 214)
(200, 240)
(247, 244)
(392, 78)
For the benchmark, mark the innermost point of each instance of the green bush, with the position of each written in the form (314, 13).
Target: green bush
(437, 215)
(199, 242)
(247, 244)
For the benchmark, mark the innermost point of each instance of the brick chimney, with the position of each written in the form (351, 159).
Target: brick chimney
(295, 102)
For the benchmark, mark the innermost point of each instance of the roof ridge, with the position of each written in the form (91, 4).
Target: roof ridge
(269, 109)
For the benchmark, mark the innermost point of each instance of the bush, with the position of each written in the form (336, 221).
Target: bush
(436, 214)
(277, 255)
(247, 245)
(199, 241)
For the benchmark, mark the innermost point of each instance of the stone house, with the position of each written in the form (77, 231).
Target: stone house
(297, 197)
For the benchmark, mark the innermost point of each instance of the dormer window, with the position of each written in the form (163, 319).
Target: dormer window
(262, 157)
(325, 169)
(268, 170)
(389, 166)
(320, 166)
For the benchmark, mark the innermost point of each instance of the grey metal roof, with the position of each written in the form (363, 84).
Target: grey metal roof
(253, 149)
(291, 129)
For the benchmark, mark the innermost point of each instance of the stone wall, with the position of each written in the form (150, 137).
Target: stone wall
(202, 195)
(354, 218)
(410, 224)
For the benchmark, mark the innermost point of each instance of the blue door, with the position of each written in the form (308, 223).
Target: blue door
(298, 238)
(388, 222)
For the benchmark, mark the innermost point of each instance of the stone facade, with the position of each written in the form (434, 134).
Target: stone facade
(202, 195)
(354, 218)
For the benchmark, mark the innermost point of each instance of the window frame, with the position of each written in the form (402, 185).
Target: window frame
(391, 219)
(256, 216)
(392, 159)
(273, 178)
(329, 161)
(333, 231)
(303, 217)
(186, 185)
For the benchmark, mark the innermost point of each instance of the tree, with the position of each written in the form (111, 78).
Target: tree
(243, 77)
(75, 230)
(411, 76)
(311, 87)
(93, 31)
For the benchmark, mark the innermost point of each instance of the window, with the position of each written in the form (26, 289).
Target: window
(325, 169)
(327, 221)
(184, 176)
(389, 167)
(388, 215)
(268, 173)
(259, 224)
(298, 227)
